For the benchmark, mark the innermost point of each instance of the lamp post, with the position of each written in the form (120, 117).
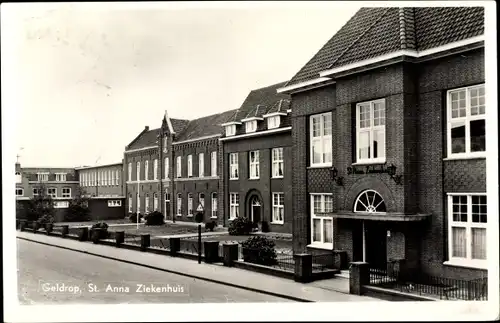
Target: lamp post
(138, 197)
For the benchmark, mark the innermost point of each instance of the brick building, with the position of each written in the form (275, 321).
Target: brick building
(104, 185)
(257, 161)
(388, 135)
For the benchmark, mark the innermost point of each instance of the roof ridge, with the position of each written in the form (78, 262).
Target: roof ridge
(358, 38)
(407, 28)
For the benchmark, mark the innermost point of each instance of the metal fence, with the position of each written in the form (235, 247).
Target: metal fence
(431, 286)
(269, 258)
(161, 243)
(323, 262)
(133, 239)
(190, 246)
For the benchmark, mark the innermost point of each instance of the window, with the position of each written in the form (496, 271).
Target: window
(273, 122)
(234, 204)
(201, 164)
(251, 126)
(112, 177)
(165, 144)
(66, 192)
(155, 202)
(231, 130)
(117, 177)
(166, 168)
(146, 170)
(370, 201)
(138, 170)
(254, 164)
(146, 203)
(61, 204)
(278, 208)
(155, 169)
(233, 166)
(115, 203)
(321, 226)
(179, 166)
(321, 139)
(277, 162)
(467, 221)
(201, 198)
(52, 192)
(190, 204)
(466, 121)
(60, 177)
(108, 178)
(130, 203)
(213, 163)
(214, 205)
(138, 203)
(190, 165)
(43, 177)
(370, 132)
(19, 178)
(36, 191)
(19, 192)
(130, 172)
(179, 204)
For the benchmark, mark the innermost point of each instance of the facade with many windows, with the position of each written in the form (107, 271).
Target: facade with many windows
(389, 142)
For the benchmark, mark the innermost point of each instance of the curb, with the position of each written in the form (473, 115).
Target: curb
(293, 298)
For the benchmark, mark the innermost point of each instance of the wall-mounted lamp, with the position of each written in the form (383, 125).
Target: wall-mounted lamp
(338, 180)
(391, 170)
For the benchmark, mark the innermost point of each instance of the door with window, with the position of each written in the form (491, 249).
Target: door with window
(167, 205)
(255, 210)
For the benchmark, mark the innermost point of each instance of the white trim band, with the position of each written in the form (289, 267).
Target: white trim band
(196, 139)
(251, 119)
(273, 114)
(303, 84)
(230, 123)
(255, 134)
(139, 149)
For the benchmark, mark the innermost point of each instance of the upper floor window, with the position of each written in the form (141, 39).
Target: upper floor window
(233, 165)
(231, 130)
(277, 162)
(18, 177)
(190, 165)
(138, 175)
(155, 169)
(254, 164)
(117, 177)
(179, 166)
(273, 122)
(52, 192)
(60, 177)
(66, 192)
(321, 139)
(467, 223)
(146, 170)
(129, 171)
(19, 191)
(213, 163)
(113, 177)
(166, 167)
(370, 201)
(466, 121)
(42, 177)
(201, 164)
(370, 132)
(251, 126)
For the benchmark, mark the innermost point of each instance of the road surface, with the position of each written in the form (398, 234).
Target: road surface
(51, 275)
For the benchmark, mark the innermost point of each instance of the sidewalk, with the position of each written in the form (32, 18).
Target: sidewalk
(235, 277)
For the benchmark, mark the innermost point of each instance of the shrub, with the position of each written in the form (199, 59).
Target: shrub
(240, 226)
(259, 250)
(133, 217)
(154, 218)
(102, 228)
(210, 226)
(45, 219)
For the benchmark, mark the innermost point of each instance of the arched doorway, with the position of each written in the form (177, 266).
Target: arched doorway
(255, 210)
(374, 239)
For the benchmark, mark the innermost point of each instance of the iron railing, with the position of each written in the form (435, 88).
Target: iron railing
(190, 246)
(133, 239)
(266, 257)
(161, 243)
(323, 262)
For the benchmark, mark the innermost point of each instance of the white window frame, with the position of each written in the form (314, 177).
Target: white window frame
(146, 203)
(21, 190)
(321, 244)
(130, 202)
(370, 130)
(138, 171)
(201, 200)
(278, 204)
(117, 177)
(190, 205)
(469, 225)
(146, 170)
(111, 177)
(42, 177)
(61, 204)
(233, 166)
(129, 172)
(60, 177)
(201, 164)
(190, 165)
(166, 168)
(325, 140)
(234, 205)
(231, 130)
(213, 163)
(466, 120)
(276, 152)
(68, 194)
(138, 203)
(179, 204)
(155, 202)
(213, 198)
(53, 195)
(254, 166)
(273, 122)
(36, 191)
(179, 166)
(155, 169)
(251, 126)
(19, 178)
(114, 203)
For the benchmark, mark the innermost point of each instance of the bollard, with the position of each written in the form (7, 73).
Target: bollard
(119, 237)
(65, 230)
(49, 227)
(230, 253)
(83, 234)
(23, 225)
(145, 241)
(36, 225)
(303, 268)
(211, 249)
(359, 276)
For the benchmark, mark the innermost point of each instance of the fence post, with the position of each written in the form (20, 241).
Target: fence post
(359, 276)
(211, 249)
(22, 225)
(65, 230)
(83, 234)
(36, 225)
(230, 253)
(175, 245)
(119, 238)
(145, 241)
(303, 268)
(49, 227)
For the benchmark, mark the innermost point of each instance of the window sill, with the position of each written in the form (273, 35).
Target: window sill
(478, 264)
(213, 217)
(320, 166)
(363, 163)
(278, 223)
(277, 177)
(234, 179)
(324, 246)
(254, 179)
(178, 215)
(190, 215)
(465, 157)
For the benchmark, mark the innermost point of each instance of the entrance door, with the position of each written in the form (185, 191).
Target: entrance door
(357, 240)
(167, 205)
(376, 244)
(255, 207)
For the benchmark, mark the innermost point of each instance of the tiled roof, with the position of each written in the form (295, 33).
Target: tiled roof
(372, 32)
(280, 106)
(204, 127)
(179, 124)
(146, 139)
(259, 101)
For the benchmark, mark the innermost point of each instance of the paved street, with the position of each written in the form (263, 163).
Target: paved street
(50, 275)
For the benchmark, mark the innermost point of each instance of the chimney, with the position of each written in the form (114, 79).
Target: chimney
(146, 128)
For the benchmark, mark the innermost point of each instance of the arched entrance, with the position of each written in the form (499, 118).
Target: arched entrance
(255, 210)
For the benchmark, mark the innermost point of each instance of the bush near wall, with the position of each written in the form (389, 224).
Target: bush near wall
(154, 218)
(240, 226)
(133, 217)
(259, 250)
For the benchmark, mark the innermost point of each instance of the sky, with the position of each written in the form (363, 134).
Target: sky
(85, 79)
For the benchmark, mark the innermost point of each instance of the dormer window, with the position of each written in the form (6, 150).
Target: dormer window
(273, 122)
(251, 126)
(231, 130)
